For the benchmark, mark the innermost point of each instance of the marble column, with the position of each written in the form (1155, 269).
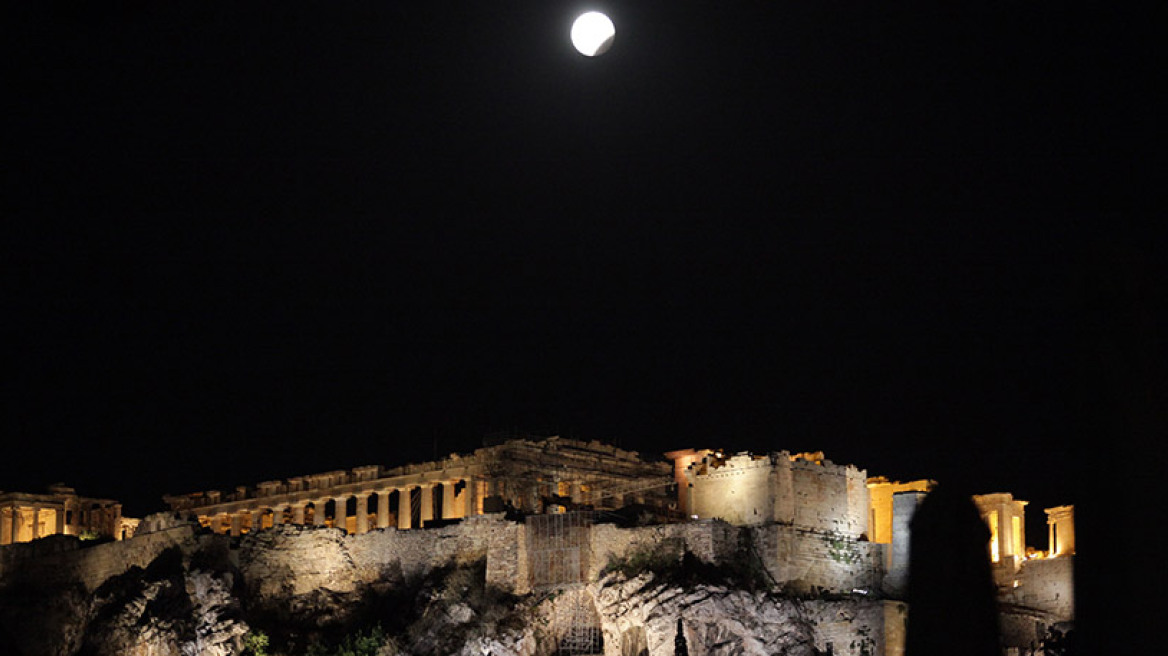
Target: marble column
(362, 513)
(6, 526)
(427, 514)
(59, 529)
(36, 522)
(449, 509)
(115, 522)
(340, 513)
(236, 524)
(404, 509)
(17, 520)
(474, 494)
(383, 509)
(257, 520)
(318, 518)
(298, 514)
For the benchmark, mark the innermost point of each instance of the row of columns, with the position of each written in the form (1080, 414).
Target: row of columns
(23, 523)
(454, 506)
(15, 517)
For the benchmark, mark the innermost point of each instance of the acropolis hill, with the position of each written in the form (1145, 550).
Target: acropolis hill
(526, 547)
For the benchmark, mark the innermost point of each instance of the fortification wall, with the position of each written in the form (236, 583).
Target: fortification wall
(806, 561)
(853, 627)
(830, 497)
(61, 560)
(737, 489)
(712, 541)
(295, 560)
(750, 490)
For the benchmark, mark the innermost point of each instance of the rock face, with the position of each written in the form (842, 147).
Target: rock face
(431, 592)
(643, 619)
(185, 614)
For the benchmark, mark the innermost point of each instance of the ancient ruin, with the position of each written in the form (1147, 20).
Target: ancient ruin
(819, 550)
(529, 477)
(28, 516)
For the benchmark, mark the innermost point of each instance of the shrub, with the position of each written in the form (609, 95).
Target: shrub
(361, 643)
(255, 643)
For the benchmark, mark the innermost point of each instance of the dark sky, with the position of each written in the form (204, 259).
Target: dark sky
(246, 241)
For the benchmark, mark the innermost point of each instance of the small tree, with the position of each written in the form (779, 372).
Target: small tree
(680, 646)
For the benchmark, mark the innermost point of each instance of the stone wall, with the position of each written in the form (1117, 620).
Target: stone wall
(60, 559)
(712, 541)
(738, 489)
(296, 560)
(1022, 630)
(830, 497)
(300, 559)
(852, 627)
(808, 561)
(1047, 585)
(804, 561)
(751, 490)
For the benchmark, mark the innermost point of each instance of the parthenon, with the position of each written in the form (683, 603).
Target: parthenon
(531, 476)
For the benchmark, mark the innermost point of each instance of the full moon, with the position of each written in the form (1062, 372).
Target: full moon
(592, 33)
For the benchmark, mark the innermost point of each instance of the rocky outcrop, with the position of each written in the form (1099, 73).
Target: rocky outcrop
(188, 613)
(431, 592)
(642, 618)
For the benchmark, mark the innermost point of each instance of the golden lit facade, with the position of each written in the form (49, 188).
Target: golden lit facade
(25, 517)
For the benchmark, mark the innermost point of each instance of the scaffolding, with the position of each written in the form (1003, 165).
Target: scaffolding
(558, 552)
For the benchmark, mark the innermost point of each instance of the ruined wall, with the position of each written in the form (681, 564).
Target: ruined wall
(803, 561)
(712, 541)
(320, 575)
(850, 626)
(59, 559)
(295, 560)
(830, 497)
(751, 490)
(1022, 630)
(806, 561)
(737, 489)
(292, 560)
(1047, 585)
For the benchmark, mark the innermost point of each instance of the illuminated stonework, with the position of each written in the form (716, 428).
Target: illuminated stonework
(1006, 518)
(817, 528)
(548, 475)
(803, 489)
(1061, 521)
(892, 506)
(24, 517)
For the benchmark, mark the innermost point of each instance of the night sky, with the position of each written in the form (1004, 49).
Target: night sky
(247, 241)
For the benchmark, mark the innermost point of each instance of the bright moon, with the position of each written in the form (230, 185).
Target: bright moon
(592, 33)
